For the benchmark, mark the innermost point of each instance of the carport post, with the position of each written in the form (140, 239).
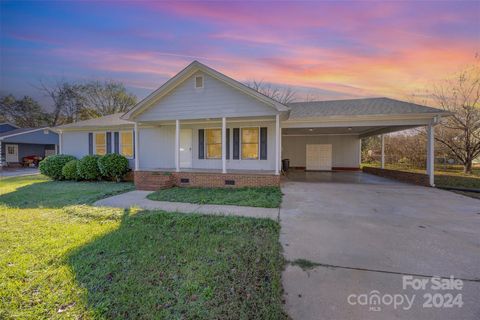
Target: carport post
(431, 154)
(1, 161)
(383, 150)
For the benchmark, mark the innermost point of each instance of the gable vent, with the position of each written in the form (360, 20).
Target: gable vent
(198, 82)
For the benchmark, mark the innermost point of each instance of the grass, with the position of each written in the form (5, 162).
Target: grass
(267, 197)
(60, 257)
(450, 176)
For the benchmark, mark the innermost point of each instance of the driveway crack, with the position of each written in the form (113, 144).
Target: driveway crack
(306, 264)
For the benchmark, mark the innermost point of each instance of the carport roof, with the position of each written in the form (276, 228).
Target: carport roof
(358, 107)
(19, 131)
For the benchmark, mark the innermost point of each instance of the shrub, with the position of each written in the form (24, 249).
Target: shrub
(52, 166)
(113, 166)
(87, 168)
(69, 170)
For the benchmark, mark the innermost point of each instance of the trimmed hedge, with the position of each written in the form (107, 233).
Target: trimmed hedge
(113, 166)
(52, 166)
(70, 171)
(88, 169)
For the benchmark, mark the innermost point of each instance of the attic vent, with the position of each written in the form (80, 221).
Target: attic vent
(198, 82)
(229, 182)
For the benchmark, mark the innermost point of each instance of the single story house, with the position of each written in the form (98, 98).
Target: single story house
(18, 143)
(202, 128)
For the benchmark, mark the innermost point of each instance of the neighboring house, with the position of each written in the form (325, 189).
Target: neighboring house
(179, 129)
(17, 143)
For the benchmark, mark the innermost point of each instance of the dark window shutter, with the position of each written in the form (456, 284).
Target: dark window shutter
(236, 143)
(228, 143)
(116, 142)
(201, 144)
(109, 142)
(90, 143)
(263, 143)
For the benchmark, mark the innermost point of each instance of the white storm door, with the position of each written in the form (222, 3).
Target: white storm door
(186, 148)
(319, 157)
(11, 152)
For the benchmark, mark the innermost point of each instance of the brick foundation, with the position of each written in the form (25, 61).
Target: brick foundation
(420, 179)
(154, 180)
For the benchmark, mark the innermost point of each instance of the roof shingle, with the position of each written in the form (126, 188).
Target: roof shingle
(356, 107)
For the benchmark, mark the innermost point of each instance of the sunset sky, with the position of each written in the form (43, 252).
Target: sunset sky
(328, 50)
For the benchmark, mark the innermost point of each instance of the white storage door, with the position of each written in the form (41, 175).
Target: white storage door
(319, 157)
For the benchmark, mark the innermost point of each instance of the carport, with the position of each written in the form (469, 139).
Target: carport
(327, 135)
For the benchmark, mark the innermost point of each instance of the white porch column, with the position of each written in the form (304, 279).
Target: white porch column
(382, 137)
(137, 155)
(60, 142)
(277, 144)
(177, 145)
(431, 154)
(224, 145)
(1, 160)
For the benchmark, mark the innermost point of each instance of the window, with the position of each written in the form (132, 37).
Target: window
(11, 150)
(100, 143)
(126, 144)
(213, 143)
(250, 138)
(198, 82)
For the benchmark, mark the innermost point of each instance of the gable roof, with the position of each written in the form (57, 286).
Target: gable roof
(21, 131)
(111, 120)
(358, 107)
(188, 72)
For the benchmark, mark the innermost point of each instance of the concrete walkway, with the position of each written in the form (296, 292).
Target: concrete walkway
(139, 199)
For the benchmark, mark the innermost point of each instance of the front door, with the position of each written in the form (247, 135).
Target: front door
(319, 157)
(11, 153)
(186, 148)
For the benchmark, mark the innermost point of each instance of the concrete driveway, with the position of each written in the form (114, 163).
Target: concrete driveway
(17, 172)
(365, 235)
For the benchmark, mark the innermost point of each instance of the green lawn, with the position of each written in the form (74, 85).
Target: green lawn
(267, 197)
(451, 176)
(60, 257)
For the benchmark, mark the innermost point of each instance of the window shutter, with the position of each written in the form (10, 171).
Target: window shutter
(201, 144)
(263, 143)
(109, 142)
(236, 143)
(228, 143)
(116, 142)
(90, 143)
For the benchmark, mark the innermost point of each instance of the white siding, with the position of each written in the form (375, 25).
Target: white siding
(216, 99)
(156, 147)
(345, 149)
(75, 143)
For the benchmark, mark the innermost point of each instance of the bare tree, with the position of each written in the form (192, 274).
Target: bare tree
(24, 112)
(79, 101)
(282, 95)
(68, 103)
(107, 97)
(460, 133)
